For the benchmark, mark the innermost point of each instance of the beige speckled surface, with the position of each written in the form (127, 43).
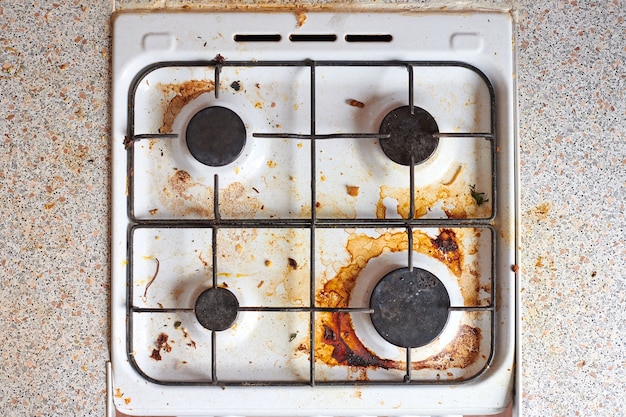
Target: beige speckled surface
(54, 170)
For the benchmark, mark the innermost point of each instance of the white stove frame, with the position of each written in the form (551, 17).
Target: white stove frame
(483, 40)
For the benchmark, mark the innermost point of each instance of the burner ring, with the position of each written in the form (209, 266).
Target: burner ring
(410, 308)
(410, 135)
(216, 136)
(216, 309)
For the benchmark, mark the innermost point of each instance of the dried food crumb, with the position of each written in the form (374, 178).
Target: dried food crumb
(514, 268)
(292, 263)
(356, 103)
(352, 190)
(268, 263)
(235, 85)
(154, 211)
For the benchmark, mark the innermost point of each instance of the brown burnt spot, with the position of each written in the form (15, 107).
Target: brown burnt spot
(179, 95)
(292, 263)
(180, 181)
(161, 344)
(447, 250)
(347, 349)
(462, 352)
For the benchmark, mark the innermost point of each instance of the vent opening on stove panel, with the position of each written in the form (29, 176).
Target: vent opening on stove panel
(368, 38)
(257, 37)
(313, 38)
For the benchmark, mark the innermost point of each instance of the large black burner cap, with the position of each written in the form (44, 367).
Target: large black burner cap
(216, 136)
(410, 135)
(216, 308)
(410, 307)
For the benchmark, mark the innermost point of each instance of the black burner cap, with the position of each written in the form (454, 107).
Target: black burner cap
(410, 307)
(410, 134)
(216, 309)
(216, 136)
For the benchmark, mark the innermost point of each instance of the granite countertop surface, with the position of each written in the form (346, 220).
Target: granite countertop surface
(55, 177)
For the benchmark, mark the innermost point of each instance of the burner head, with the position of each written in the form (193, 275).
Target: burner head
(410, 308)
(411, 134)
(216, 136)
(216, 309)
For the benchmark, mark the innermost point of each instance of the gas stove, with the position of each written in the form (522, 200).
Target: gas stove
(313, 213)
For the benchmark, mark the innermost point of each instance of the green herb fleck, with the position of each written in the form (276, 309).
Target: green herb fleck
(177, 324)
(478, 197)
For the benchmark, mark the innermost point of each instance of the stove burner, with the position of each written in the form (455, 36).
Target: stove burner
(410, 308)
(216, 136)
(216, 309)
(411, 134)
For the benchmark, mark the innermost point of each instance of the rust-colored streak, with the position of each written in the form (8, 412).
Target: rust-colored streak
(460, 353)
(183, 94)
(347, 349)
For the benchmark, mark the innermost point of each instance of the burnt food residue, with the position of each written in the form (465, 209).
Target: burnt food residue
(340, 345)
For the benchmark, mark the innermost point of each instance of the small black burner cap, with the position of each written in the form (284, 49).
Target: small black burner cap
(410, 134)
(216, 309)
(216, 136)
(410, 308)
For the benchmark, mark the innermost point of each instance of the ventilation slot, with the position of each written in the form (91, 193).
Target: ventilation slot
(369, 38)
(257, 38)
(312, 38)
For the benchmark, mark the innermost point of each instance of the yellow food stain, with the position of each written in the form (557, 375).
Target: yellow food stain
(455, 176)
(49, 206)
(301, 18)
(352, 190)
(296, 106)
(118, 393)
(230, 275)
(237, 170)
(323, 178)
(271, 164)
(147, 257)
(124, 262)
(127, 401)
(258, 105)
(239, 248)
(268, 263)
(299, 144)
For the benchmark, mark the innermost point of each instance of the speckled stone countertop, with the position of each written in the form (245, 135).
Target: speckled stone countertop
(54, 189)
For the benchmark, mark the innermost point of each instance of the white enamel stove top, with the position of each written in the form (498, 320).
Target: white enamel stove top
(269, 178)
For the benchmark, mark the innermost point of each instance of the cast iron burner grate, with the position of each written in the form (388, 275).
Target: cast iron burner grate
(204, 307)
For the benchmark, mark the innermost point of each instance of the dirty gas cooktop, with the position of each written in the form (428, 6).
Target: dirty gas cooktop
(314, 211)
